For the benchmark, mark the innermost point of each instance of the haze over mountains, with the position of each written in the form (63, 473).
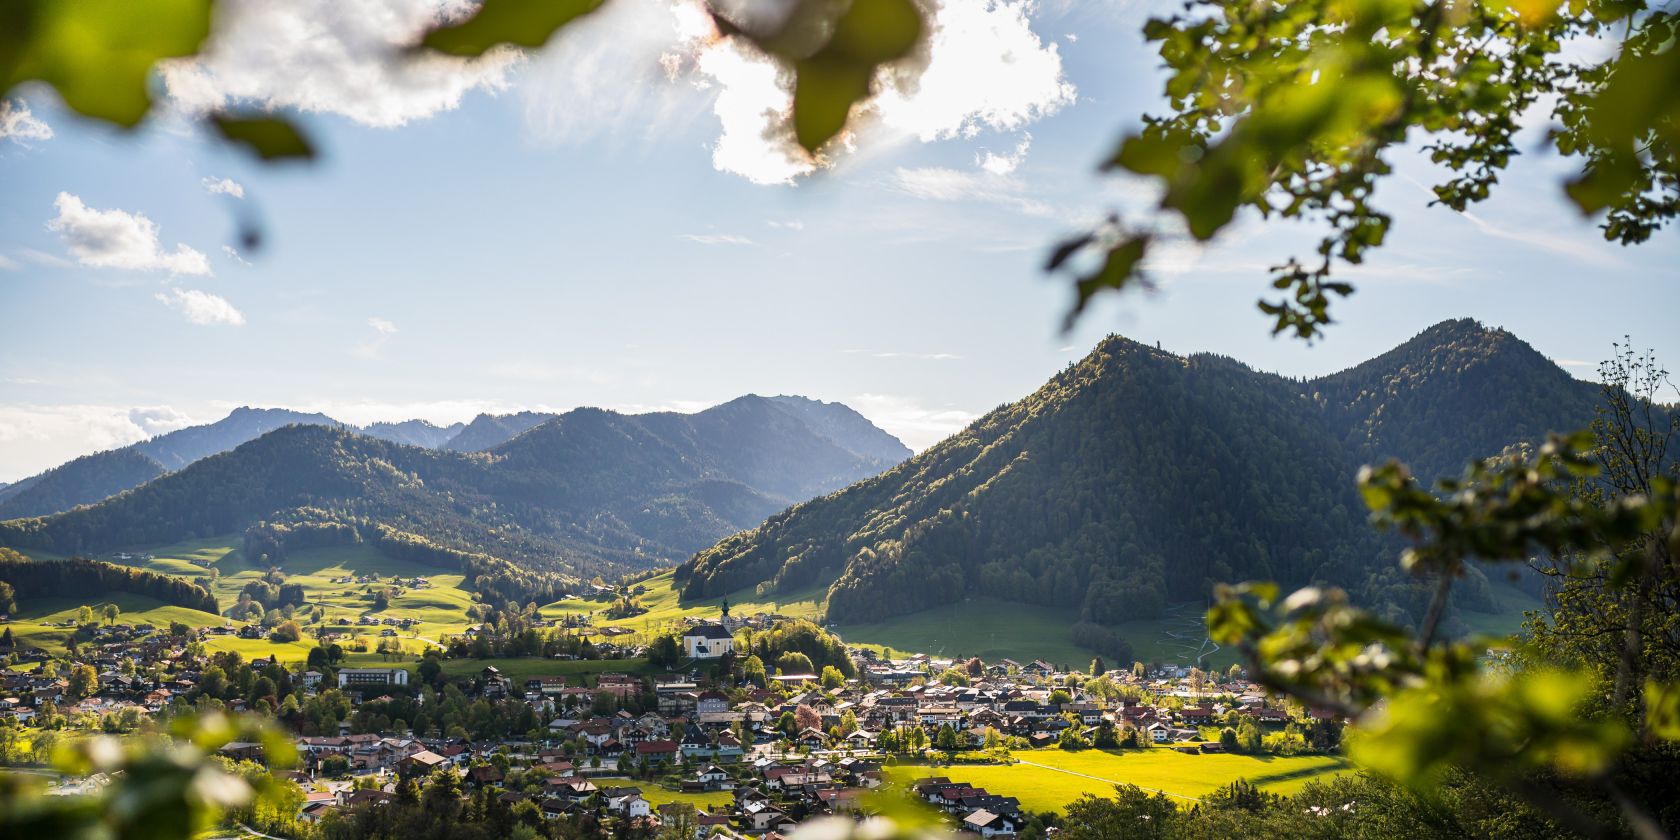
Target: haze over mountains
(98, 476)
(585, 492)
(1136, 478)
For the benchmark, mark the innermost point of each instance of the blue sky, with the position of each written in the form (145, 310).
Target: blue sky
(587, 226)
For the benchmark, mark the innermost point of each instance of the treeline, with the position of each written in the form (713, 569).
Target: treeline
(1357, 805)
(84, 578)
(818, 646)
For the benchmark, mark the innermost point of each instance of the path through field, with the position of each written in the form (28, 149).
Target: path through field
(1110, 781)
(1184, 632)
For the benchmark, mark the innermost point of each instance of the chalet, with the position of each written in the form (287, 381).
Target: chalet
(987, 824)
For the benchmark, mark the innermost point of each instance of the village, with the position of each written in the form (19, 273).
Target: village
(706, 743)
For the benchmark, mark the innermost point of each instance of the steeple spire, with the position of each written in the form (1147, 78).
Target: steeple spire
(726, 607)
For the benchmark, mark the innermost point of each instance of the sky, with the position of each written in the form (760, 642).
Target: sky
(603, 222)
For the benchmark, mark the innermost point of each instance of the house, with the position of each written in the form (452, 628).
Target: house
(619, 685)
(714, 777)
(708, 641)
(372, 676)
(987, 824)
(422, 763)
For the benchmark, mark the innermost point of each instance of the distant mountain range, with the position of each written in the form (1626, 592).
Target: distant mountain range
(99, 476)
(1136, 478)
(588, 491)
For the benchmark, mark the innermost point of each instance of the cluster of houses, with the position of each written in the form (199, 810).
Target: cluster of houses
(689, 735)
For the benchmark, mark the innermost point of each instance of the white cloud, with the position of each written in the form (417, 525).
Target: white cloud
(333, 57)
(753, 105)
(17, 124)
(158, 420)
(43, 258)
(202, 308)
(618, 71)
(224, 186)
(908, 420)
(232, 253)
(117, 239)
(36, 437)
(895, 354)
(716, 238)
(1003, 164)
(790, 224)
(8, 264)
(941, 184)
(987, 70)
(654, 66)
(382, 332)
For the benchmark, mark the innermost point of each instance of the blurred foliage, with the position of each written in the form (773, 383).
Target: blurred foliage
(160, 786)
(1291, 110)
(522, 23)
(1599, 511)
(98, 54)
(270, 138)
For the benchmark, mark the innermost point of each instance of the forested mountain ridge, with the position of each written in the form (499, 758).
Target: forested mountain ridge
(1135, 477)
(1456, 391)
(101, 475)
(487, 431)
(414, 432)
(590, 492)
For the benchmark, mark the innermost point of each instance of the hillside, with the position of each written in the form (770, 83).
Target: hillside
(414, 432)
(1132, 478)
(590, 492)
(1455, 392)
(490, 430)
(90, 478)
(1136, 478)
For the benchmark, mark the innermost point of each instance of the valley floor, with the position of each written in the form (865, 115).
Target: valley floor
(1047, 780)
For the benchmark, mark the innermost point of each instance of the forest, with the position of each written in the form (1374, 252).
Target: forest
(94, 578)
(1136, 478)
(587, 493)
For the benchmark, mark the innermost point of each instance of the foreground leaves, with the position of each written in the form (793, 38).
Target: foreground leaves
(1290, 110)
(520, 23)
(98, 54)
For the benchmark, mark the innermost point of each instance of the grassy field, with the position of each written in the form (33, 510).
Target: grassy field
(985, 627)
(1047, 780)
(657, 796)
(664, 611)
(35, 619)
(1507, 622)
(218, 564)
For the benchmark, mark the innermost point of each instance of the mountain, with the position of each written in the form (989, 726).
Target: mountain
(414, 432)
(847, 428)
(1455, 392)
(1136, 477)
(588, 492)
(91, 478)
(490, 430)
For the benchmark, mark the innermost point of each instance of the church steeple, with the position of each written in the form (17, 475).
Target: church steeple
(726, 608)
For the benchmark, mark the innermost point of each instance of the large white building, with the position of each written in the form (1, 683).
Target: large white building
(372, 676)
(708, 641)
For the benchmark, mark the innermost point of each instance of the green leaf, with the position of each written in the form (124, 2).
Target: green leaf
(840, 74)
(823, 93)
(523, 23)
(98, 54)
(271, 138)
(1119, 269)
